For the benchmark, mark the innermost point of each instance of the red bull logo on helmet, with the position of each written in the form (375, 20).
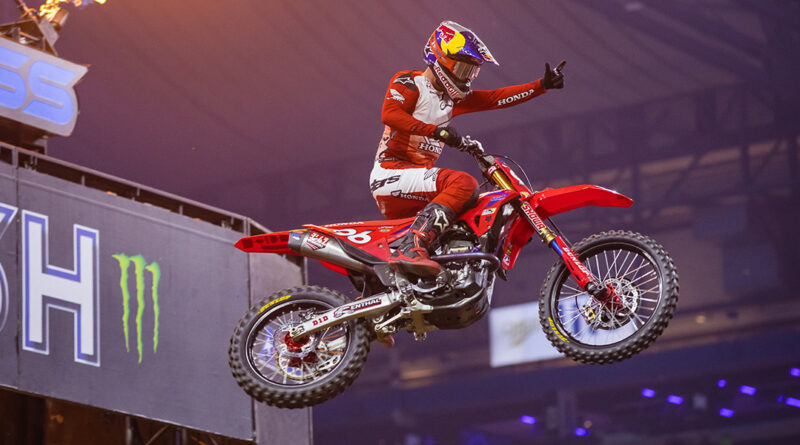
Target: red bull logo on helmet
(452, 42)
(446, 33)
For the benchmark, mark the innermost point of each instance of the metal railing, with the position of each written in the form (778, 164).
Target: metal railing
(21, 158)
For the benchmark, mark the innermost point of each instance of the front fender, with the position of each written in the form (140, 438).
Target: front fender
(551, 202)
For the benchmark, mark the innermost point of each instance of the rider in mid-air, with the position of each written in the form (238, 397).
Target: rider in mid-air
(417, 111)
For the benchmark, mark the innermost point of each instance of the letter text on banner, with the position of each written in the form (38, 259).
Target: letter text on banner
(48, 287)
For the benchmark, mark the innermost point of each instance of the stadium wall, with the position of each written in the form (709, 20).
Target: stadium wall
(121, 297)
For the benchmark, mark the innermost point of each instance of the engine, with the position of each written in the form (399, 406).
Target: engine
(462, 294)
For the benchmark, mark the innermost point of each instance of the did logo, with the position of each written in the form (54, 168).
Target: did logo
(141, 271)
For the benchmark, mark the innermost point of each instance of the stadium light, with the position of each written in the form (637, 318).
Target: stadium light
(749, 390)
(582, 432)
(530, 420)
(725, 412)
(675, 400)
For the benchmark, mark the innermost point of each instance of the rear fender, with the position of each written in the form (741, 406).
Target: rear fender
(318, 243)
(551, 202)
(275, 242)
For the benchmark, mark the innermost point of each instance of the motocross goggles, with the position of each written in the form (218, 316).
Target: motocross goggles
(464, 71)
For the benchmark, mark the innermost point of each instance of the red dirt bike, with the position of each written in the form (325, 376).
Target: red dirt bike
(605, 299)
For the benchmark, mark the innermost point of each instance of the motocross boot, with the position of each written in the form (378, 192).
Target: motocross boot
(412, 250)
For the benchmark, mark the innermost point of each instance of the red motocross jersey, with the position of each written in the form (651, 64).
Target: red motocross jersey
(413, 108)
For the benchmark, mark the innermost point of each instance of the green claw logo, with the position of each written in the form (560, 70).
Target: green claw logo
(139, 267)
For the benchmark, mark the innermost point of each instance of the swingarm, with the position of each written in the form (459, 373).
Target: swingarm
(366, 307)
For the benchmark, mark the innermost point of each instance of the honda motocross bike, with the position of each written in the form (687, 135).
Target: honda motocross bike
(605, 299)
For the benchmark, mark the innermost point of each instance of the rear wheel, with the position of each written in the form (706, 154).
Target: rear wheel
(274, 369)
(645, 282)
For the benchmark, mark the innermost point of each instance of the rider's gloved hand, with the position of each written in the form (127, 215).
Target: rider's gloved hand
(553, 78)
(449, 136)
(472, 146)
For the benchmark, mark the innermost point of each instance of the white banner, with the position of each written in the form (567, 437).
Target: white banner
(515, 336)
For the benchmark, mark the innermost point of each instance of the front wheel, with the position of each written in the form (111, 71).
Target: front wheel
(645, 282)
(273, 368)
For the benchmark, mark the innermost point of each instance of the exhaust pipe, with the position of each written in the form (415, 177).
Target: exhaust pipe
(326, 248)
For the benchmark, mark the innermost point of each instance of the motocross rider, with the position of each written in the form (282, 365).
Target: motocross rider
(417, 110)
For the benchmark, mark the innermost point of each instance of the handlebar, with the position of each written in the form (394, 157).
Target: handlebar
(490, 166)
(474, 148)
(471, 146)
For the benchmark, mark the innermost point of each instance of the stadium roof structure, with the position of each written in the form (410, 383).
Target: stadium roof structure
(196, 97)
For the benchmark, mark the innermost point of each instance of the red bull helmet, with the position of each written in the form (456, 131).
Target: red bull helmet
(455, 55)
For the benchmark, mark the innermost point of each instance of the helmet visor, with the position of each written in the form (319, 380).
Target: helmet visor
(465, 71)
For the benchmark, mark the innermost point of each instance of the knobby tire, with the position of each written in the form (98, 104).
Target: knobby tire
(302, 395)
(645, 335)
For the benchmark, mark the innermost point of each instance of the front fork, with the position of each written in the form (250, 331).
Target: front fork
(588, 282)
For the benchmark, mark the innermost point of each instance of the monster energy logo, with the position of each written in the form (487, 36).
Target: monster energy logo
(139, 267)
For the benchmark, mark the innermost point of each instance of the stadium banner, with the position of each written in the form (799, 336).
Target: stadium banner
(122, 305)
(9, 284)
(37, 88)
(515, 336)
